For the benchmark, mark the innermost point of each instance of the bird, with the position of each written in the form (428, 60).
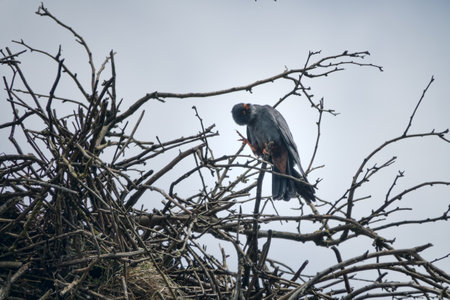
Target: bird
(268, 134)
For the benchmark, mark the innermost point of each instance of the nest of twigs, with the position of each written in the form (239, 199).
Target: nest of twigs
(65, 230)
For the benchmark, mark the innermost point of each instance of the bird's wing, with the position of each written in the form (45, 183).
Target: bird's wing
(287, 137)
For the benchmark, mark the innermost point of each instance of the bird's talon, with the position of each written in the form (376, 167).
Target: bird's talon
(246, 141)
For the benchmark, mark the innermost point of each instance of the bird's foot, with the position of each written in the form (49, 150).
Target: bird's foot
(268, 148)
(246, 141)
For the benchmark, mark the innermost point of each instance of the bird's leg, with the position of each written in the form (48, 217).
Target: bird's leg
(245, 141)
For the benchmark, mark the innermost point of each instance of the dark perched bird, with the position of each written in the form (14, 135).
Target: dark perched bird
(268, 133)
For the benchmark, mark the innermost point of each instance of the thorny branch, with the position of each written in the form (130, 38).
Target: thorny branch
(69, 226)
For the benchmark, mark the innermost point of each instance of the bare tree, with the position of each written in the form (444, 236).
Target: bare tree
(69, 226)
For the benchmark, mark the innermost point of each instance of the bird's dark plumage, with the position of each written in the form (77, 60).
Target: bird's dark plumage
(268, 132)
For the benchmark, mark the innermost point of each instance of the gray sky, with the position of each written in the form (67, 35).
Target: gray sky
(195, 46)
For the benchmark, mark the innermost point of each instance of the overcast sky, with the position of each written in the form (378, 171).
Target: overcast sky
(196, 46)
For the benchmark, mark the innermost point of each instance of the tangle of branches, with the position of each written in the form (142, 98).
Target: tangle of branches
(69, 226)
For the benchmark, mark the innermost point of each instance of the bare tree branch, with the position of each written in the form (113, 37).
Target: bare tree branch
(69, 225)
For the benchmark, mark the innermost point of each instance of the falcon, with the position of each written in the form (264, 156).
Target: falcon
(269, 134)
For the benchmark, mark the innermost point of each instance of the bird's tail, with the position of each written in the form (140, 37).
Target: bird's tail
(305, 190)
(285, 188)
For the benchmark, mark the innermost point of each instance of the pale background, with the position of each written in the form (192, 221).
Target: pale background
(200, 46)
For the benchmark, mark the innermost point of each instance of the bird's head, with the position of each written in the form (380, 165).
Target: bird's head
(242, 113)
